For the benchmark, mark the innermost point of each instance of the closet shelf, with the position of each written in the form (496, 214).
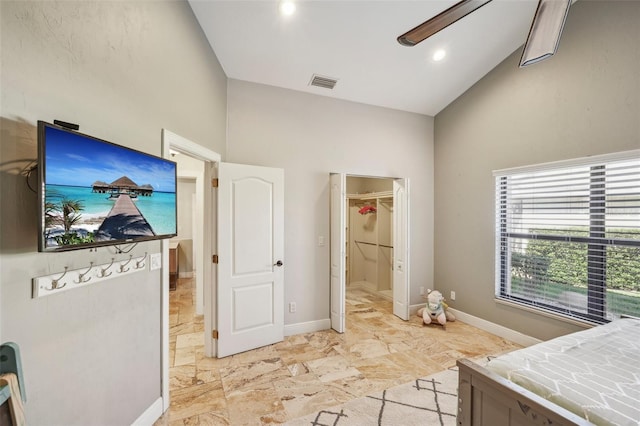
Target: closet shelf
(371, 195)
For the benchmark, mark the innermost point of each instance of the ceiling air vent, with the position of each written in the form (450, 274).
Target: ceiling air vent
(325, 82)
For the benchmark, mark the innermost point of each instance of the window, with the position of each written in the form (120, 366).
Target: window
(568, 237)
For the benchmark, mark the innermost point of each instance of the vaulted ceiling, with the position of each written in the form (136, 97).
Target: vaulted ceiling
(355, 43)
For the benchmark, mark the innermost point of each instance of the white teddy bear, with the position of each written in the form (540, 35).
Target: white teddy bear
(436, 311)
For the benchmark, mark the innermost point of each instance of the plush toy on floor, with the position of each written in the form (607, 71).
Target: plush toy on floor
(436, 310)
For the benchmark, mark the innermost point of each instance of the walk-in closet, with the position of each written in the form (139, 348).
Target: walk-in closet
(369, 235)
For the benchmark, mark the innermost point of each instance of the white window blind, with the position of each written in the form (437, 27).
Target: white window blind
(568, 237)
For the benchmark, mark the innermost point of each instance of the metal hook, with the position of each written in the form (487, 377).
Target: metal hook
(54, 283)
(140, 263)
(122, 265)
(103, 271)
(82, 275)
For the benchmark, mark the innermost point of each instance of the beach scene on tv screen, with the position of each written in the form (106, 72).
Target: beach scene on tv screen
(98, 192)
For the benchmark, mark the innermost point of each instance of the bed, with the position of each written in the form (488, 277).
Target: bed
(584, 378)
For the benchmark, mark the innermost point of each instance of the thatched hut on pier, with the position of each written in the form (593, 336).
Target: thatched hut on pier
(123, 185)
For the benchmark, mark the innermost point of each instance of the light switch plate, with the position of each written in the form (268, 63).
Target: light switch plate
(155, 261)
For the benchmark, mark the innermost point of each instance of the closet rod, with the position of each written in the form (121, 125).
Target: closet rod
(372, 244)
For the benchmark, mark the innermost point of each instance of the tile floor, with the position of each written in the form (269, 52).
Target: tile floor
(307, 372)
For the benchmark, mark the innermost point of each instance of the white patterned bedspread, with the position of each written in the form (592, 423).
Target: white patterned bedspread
(594, 373)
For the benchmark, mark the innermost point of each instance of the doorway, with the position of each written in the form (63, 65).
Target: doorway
(203, 241)
(235, 324)
(186, 249)
(369, 235)
(369, 224)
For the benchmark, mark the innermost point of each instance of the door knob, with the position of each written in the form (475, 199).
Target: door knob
(278, 263)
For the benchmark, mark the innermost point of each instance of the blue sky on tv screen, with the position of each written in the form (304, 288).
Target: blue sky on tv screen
(76, 160)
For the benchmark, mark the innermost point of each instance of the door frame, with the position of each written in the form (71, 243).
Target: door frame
(407, 229)
(171, 141)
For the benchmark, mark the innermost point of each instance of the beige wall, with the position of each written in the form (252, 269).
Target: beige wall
(186, 194)
(122, 70)
(311, 136)
(583, 101)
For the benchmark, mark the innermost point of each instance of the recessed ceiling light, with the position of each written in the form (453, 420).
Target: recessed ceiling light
(439, 55)
(287, 7)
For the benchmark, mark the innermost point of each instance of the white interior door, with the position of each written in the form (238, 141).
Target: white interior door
(401, 248)
(250, 252)
(338, 186)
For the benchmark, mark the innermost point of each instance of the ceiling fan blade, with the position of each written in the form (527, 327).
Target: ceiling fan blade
(545, 32)
(440, 21)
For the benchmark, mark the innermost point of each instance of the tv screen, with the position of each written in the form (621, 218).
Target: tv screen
(94, 193)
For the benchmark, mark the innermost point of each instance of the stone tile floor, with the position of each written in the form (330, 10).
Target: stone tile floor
(307, 372)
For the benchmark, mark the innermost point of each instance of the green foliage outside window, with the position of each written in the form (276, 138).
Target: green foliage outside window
(547, 269)
(566, 263)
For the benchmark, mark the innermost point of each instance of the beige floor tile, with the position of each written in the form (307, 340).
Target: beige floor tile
(333, 368)
(184, 356)
(213, 419)
(368, 348)
(298, 369)
(248, 405)
(196, 400)
(181, 328)
(307, 372)
(349, 388)
(266, 352)
(190, 339)
(303, 394)
(384, 368)
(253, 374)
(182, 376)
(301, 352)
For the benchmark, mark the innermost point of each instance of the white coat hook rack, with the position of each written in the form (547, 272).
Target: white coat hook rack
(103, 271)
(140, 263)
(48, 285)
(122, 265)
(81, 277)
(55, 282)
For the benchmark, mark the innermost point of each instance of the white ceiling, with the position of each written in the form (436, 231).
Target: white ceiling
(355, 43)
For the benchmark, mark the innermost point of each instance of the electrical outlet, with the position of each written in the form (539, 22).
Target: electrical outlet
(320, 241)
(292, 307)
(155, 261)
(453, 295)
(421, 291)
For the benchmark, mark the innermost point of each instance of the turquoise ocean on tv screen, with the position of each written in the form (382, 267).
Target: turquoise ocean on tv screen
(158, 209)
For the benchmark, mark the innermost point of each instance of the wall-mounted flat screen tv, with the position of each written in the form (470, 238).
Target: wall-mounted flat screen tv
(94, 193)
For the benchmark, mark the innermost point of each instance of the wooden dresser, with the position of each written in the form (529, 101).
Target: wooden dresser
(173, 264)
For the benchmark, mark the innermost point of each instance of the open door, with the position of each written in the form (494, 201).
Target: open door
(338, 184)
(401, 248)
(250, 301)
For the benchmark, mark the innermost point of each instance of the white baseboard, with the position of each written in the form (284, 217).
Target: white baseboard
(150, 415)
(307, 327)
(498, 330)
(413, 309)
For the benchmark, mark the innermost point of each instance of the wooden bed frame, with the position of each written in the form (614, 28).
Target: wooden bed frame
(488, 399)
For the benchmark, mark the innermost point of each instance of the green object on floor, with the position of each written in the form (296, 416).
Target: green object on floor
(10, 363)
